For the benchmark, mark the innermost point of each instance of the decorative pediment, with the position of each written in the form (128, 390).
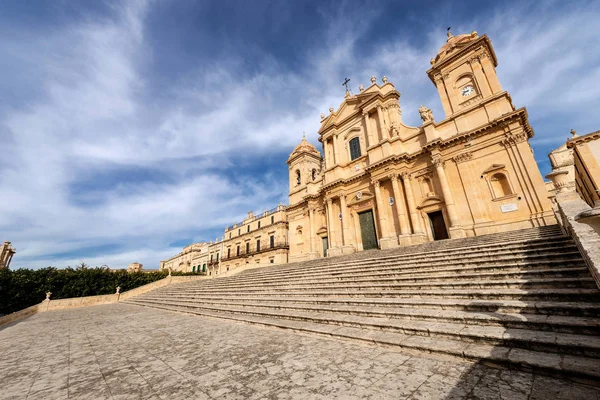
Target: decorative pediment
(494, 167)
(430, 201)
(360, 197)
(322, 231)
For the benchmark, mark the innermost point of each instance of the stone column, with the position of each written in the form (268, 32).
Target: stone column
(384, 133)
(311, 222)
(345, 221)
(400, 208)
(357, 231)
(448, 199)
(412, 209)
(370, 141)
(386, 241)
(336, 156)
(330, 221)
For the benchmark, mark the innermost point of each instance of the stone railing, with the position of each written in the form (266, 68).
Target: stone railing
(77, 302)
(582, 223)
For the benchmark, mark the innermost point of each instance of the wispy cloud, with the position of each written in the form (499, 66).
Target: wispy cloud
(101, 164)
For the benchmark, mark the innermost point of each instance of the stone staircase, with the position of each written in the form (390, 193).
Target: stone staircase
(523, 299)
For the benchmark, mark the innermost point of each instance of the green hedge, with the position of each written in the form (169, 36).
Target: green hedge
(22, 288)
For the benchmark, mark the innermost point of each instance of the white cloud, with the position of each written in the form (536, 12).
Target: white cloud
(91, 111)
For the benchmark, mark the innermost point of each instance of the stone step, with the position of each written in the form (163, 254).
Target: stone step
(515, 247)
(575, 294)
(550, 363)
(547, 258)
(420, 283)
(491, 271)
(551, 308)
(553, 323)
(564, 343)
(458, 244)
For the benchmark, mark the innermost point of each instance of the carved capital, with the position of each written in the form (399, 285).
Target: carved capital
(375, 183)
(394, 176)
(511, 139)
(405, 176)
(437, 160)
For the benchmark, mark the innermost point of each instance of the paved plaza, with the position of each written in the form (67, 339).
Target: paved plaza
(129, 352)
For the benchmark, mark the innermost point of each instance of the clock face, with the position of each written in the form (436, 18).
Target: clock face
(467, 91)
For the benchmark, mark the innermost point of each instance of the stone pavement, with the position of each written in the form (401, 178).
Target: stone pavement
(128, 352)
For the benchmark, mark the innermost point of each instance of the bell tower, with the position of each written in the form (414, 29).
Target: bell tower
(304, 166)
(464, 72)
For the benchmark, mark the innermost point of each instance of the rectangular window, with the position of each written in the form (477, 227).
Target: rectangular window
(238, 250)
(248, 228)
(228, 252)
(239, 232)
(258, 225)
(354, 148)
(217, 257)
(211, 257)
(258, 245)
(247, 247)
(272, 219)
(229, 235)
(272, 241)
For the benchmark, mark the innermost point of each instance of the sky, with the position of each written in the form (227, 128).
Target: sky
(130, 129)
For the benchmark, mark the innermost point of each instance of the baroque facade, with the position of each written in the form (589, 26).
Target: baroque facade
(382, 184)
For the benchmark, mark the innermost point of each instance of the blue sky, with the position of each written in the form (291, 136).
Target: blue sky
(131, 128)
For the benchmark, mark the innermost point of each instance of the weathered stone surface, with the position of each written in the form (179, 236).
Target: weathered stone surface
(127, 352)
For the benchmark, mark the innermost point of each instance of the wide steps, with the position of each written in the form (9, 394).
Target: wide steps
(552, 363)
(521, 299)
(554, 323)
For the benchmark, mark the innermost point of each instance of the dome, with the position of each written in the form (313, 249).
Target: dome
(452, 44)
(305, 147)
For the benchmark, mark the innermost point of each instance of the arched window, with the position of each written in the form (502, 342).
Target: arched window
(500, 185)
(298, 177)
(314, 174)
(194, 269)
(354, 148)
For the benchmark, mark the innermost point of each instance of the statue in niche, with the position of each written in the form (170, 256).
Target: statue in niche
(426, 114)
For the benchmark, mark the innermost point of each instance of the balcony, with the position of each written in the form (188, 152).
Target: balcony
(254, 251)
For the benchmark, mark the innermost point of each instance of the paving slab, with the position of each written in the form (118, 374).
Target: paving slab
(122, 351)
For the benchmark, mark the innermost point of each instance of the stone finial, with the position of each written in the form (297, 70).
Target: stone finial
(449, 34)
(373, 79)
(574, 133)
(322, 116)
(432, 61)
(330, 109)
(426, 114)
(118, 290)
(48, 294)
(361, 87)
(384, 79)
(474, 34)
(347, 94)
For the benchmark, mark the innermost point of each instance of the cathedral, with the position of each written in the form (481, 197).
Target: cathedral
(381, 184)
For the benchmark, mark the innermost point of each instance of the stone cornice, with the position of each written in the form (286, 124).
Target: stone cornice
(583, 139)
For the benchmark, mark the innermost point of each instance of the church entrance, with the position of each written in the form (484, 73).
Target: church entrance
(367, 230)
(438, 226)
(325, 246)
